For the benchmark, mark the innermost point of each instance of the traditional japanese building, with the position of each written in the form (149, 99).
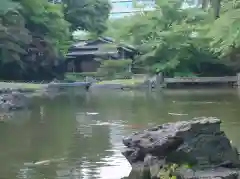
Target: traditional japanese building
(86, 55)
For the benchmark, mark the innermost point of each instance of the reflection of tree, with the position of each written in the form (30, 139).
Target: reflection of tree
(39, 138)
(14, 144)
(56, 129)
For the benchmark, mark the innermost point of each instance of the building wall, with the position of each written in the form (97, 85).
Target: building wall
(89, 65)
(83, 66)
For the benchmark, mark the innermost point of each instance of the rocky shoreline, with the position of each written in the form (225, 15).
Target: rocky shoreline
(12, 99)
(18, 99)
(186, 150)
(116, 86)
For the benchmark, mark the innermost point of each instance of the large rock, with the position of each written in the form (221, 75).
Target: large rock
(13, 101)
(198, 143)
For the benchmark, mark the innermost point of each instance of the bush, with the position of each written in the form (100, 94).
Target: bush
(73, 77)
(109, 70)
(81, 76)
(112, 68)
(124, 75)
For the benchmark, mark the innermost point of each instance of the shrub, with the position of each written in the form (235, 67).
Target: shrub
(112, 68)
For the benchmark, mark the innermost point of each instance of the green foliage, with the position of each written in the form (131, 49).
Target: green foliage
(35, 35)
(47, 23)
(119, 65)
(178, 40)
(14, 37)
(225, 34)
(74, 77)
(90, 15)
(164, 36)
(167, 171)
(82, 76)
(111, 68)
(7, 5)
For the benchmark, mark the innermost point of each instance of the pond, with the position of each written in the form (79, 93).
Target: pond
(79, 136)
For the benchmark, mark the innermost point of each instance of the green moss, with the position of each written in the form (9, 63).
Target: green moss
(32, 86)
(186, 166)
(28, 86)
(167, 172)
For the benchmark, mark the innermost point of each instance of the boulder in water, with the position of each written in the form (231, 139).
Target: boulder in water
(13, 101)
(199, 143)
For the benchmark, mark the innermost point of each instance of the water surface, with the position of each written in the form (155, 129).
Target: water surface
(79, 137)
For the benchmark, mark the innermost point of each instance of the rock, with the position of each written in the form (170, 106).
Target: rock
(199, 143)
(13, 101)
(216, 173)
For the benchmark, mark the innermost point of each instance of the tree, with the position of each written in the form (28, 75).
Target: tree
(206, 4)
(33, 36)
(113, 68)
(170, 39)
(14, 37)
(6, 5)
(46, 21)
(89, 15)
(225, 34)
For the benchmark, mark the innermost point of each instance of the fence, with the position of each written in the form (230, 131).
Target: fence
(160, 80)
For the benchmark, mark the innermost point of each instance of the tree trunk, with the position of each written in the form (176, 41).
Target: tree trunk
(216, 8)
(215, 4)
(204, 4)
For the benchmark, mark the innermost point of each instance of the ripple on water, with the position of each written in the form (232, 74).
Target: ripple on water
(88, 131)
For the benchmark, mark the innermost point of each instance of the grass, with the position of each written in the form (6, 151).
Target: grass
(27, 86)
(126, 82)
(31, 86)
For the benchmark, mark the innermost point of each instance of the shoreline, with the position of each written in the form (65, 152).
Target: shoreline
(123, 85)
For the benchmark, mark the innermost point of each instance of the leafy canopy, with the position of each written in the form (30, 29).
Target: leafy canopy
(178, 38)
(89, 15)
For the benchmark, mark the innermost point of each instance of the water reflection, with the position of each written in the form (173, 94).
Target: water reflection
(80, 136)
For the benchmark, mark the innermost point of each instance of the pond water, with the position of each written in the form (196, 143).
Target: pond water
(79, 137)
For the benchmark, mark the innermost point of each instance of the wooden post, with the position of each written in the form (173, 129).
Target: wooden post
(238, 80)
(159, 80)
(149, 85)
(130, 68)
(86, 79)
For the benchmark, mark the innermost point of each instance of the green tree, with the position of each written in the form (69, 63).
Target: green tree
(33, 36)
(14, 37)
(46, 21)
(215, 5)
(170, 39)
(165, 35)
(7, 5)
(90, 15)
(225, 34)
